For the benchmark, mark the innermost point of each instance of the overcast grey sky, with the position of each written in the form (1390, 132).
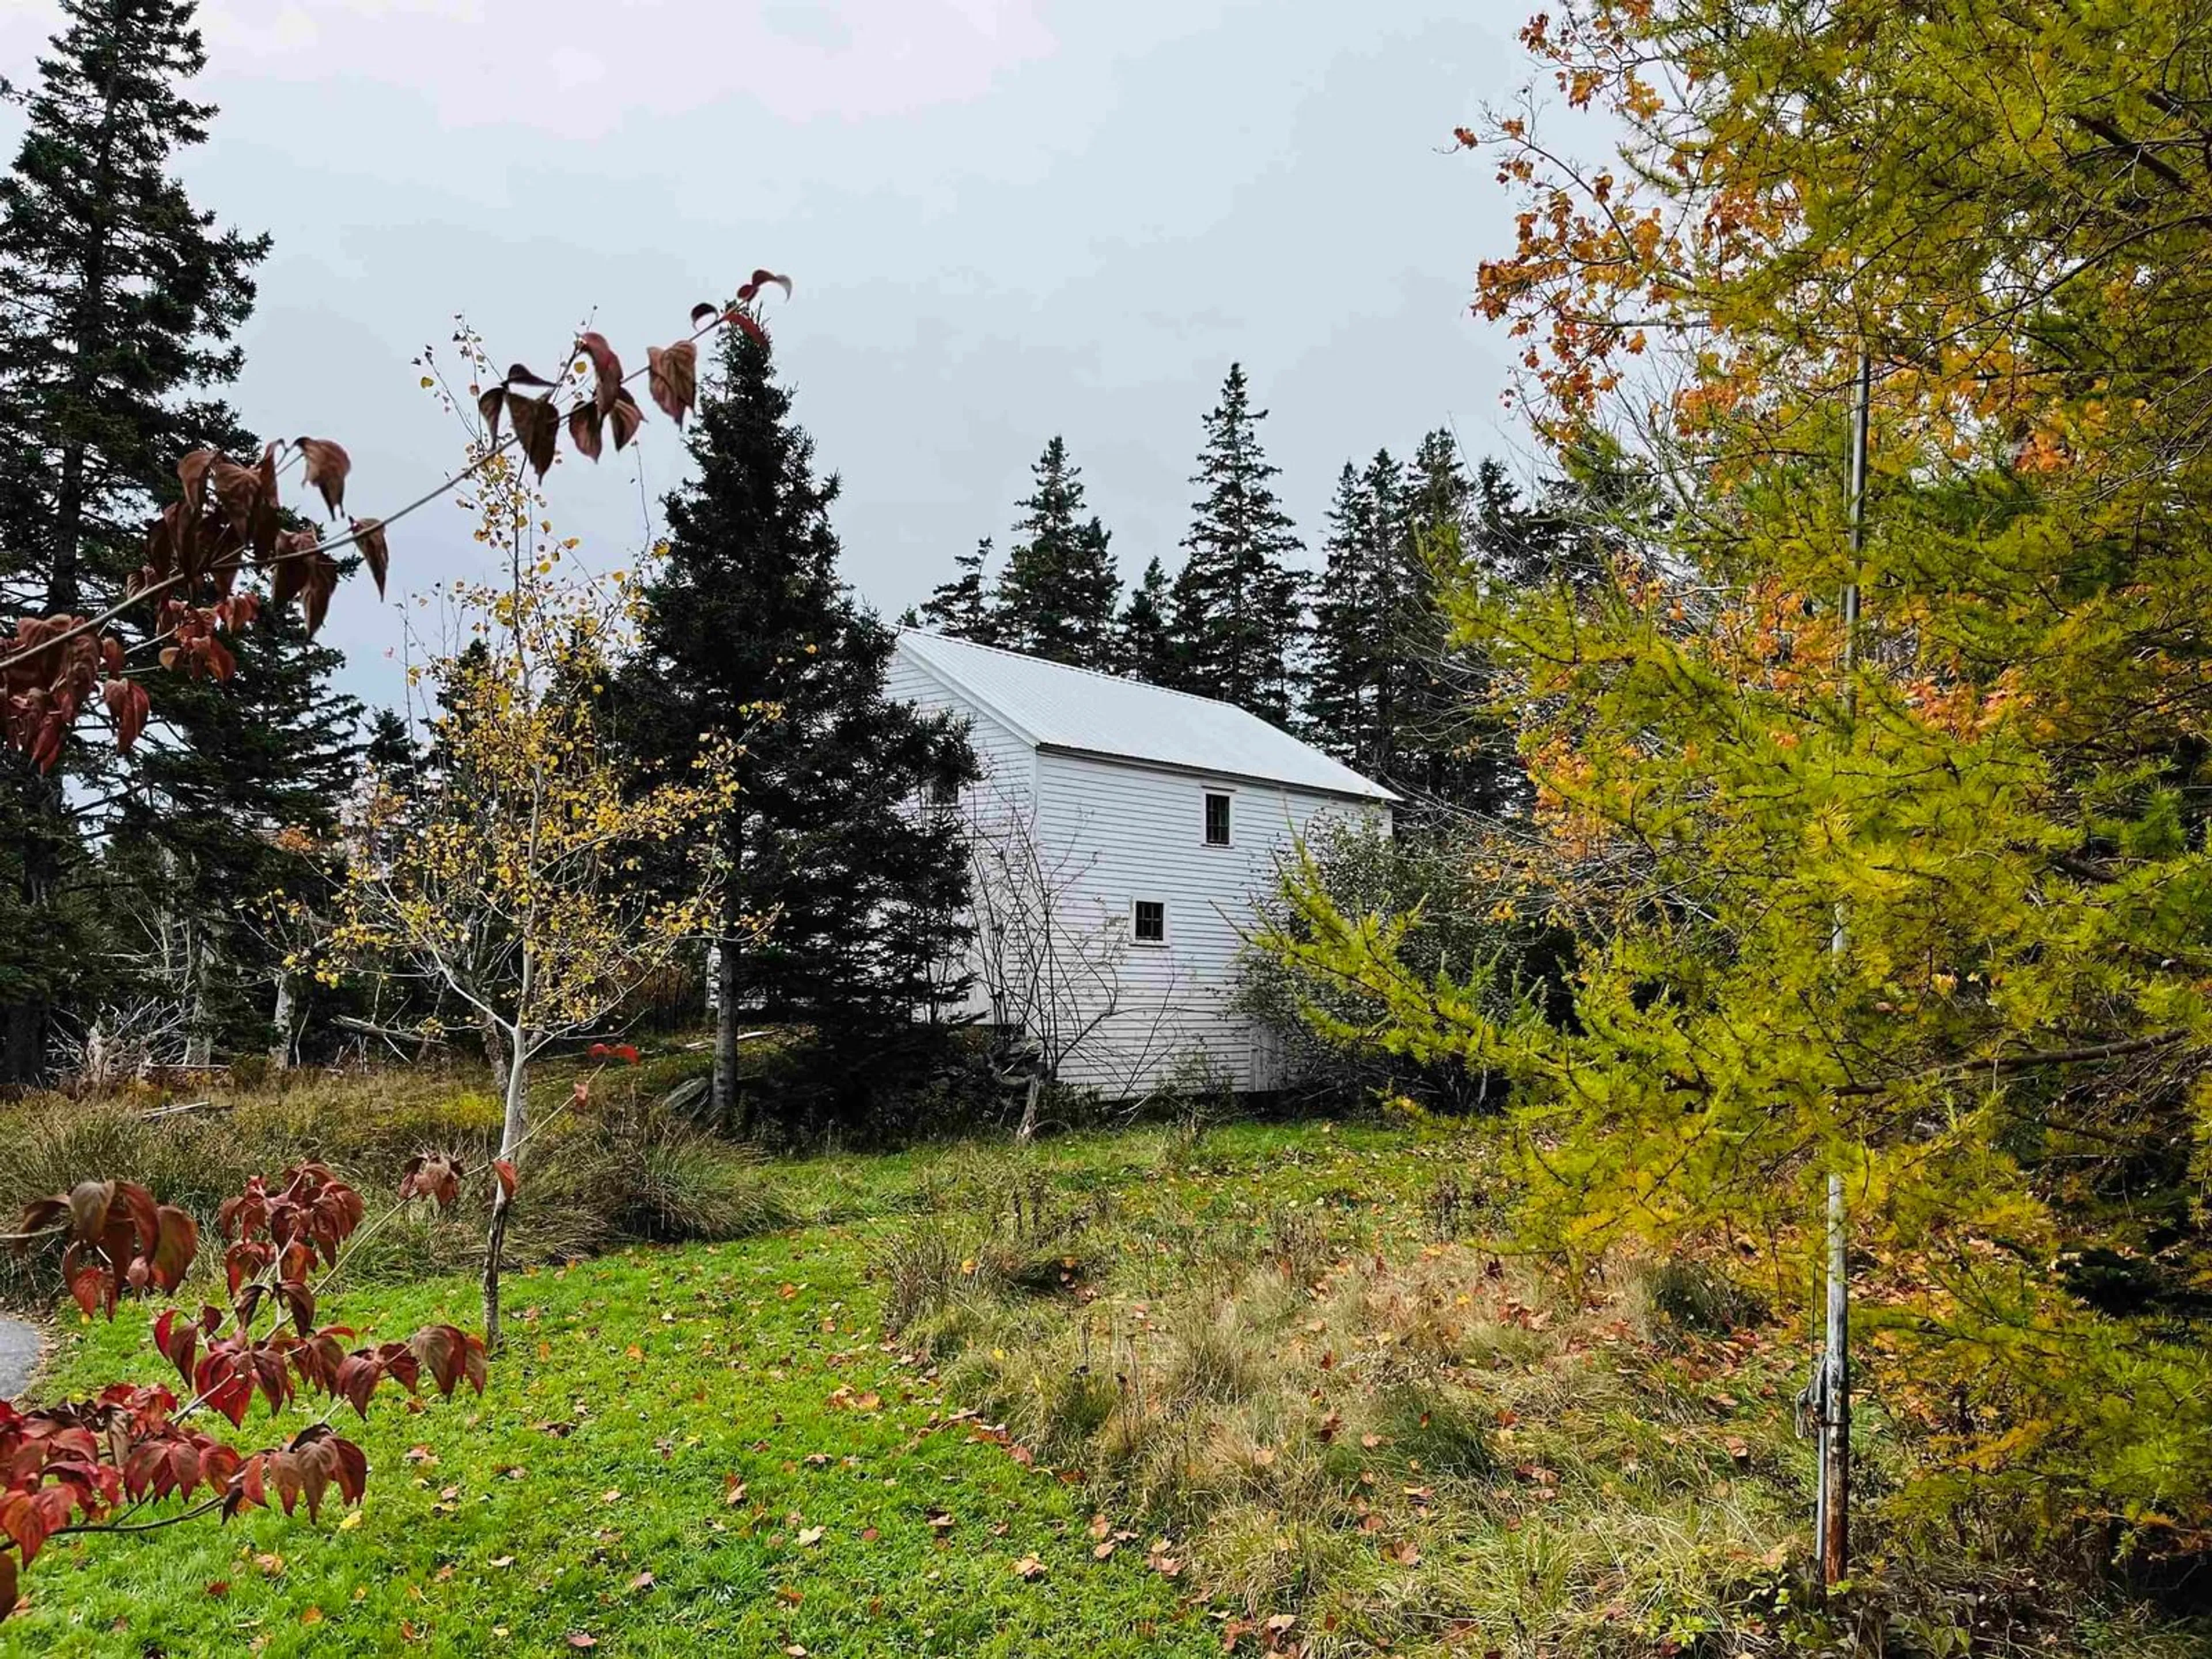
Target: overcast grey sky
(1005, 218)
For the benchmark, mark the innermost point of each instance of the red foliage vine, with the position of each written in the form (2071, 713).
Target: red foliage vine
(74, 1466)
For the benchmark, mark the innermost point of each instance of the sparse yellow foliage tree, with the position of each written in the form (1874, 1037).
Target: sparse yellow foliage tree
(515, 877)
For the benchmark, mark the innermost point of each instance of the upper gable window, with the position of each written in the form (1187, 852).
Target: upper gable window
(1216, 819)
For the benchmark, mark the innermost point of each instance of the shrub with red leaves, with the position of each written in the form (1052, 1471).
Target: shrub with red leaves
(79, 1466)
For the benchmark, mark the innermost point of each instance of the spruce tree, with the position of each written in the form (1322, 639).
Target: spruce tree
(1355, 696)
(391, 751)
(751, 635)
(227, 772)
(1142, 650)
(118, 301)
(960, 608)
(1056, 598)
(1453, 750)
(1235, 616)
(1391, 692)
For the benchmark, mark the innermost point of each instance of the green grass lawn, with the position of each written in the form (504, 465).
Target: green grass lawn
(589, 1493)
(1281, 1352)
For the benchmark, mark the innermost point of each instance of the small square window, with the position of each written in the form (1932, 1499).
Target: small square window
(1216, 820)
(939, 796)
(1149, 922)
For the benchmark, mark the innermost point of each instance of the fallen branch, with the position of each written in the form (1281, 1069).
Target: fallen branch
(178, 1111)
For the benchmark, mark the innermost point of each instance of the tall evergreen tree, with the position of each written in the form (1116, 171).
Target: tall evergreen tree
(1235, 612)
(751, 635)
(1391, 690)
(227, 772)
(1142, 650)
(118, 301)
(1056, 598)
(962, 607)
(1453, 750)
(391, 751)
(1355, 697)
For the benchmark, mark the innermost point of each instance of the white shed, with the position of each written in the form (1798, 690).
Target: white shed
(1120, 834)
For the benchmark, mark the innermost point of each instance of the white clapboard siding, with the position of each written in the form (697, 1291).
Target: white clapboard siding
(1125, 825)
(1006, 762)
(1143, 830)
(1007, 759)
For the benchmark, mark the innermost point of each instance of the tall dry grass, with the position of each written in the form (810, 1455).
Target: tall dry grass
(621, 1170)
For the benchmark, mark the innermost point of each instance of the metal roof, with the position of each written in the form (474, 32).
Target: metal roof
(1081, 711)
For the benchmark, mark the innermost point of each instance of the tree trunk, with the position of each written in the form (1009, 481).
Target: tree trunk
(199, 1033)
(728, 1101)
(23, 1039)
(495, 1045)
(494, 1244)
(280, 1051)
(1027, 1131)
(512, 1129)
(1834, 1514)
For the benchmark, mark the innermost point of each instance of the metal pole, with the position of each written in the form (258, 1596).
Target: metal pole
(1831, 1387)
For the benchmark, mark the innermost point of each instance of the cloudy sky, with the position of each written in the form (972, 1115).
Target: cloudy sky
(1005, 218)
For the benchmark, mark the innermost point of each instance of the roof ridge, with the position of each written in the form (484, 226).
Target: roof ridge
(1100, 674)
(1032, 698)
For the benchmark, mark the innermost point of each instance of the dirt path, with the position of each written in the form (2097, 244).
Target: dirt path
(19, 1355)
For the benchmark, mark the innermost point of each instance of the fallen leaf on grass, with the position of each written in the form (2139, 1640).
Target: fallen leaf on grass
(578, 1638)
(809, 1538)
(643, 1581)
(1028, 1567)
